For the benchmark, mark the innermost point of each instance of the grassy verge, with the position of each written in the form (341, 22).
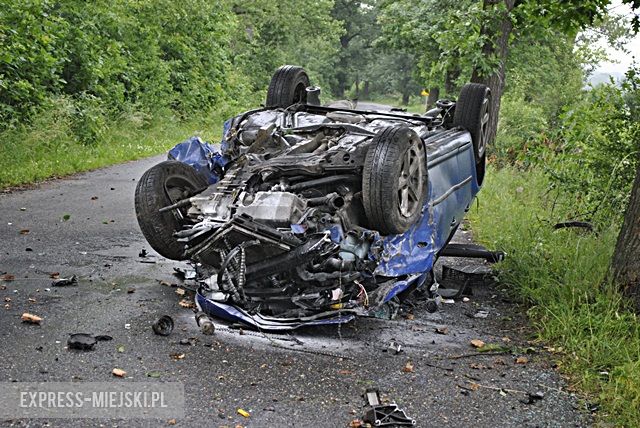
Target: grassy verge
(563, 276)
(49, 147)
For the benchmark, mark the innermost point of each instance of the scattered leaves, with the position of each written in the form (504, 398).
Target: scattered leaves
(187, 303)
(408, 367)
(493, 347)
(410, 317)
(474, 386)
(180, 291)
(170, 421)
(7, 277)
(522, 360)
(24, 231)
(30, 318)
(7, 299)
(442, 330)
(345, 372)
(118, 372)
(120, 349)
(477, 343)
(177, 356)
(478, 366)
(154, 374)
(66, 217)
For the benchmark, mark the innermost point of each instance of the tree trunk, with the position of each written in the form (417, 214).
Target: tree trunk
(365, 90)
(498, 47)
(434, 94)
(450, 81)
(405, 97)
(625, 265)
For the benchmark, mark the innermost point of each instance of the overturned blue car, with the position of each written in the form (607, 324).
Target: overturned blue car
(311, 214)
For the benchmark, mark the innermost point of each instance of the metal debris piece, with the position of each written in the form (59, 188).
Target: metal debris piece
(205, 324)
(81, 341)
(184, 273)
(64, 282)
(163, 326)
(384, 415)
(191, 341)
(394, 347)
(532, 397)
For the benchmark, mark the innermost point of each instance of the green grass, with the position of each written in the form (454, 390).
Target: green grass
(562, 275)
(50, 148)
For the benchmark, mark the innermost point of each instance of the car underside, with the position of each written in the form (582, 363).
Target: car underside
(309, 214)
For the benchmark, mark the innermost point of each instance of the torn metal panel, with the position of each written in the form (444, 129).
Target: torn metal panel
(314, 215)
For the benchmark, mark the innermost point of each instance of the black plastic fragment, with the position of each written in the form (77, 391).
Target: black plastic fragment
(532, 397)
(103, 338)
(81, 341)
(64, 282)
(384, 415)
(163, 326)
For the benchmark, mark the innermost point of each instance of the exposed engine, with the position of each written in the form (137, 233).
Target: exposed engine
(284, 231)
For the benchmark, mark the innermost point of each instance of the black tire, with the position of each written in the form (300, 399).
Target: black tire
(165, 184)
(288, 86)
(472, 113)
(394, 180)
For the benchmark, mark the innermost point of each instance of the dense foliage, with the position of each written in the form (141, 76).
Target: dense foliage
(101, 58)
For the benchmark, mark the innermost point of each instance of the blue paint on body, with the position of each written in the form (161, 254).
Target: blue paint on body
(409, 256)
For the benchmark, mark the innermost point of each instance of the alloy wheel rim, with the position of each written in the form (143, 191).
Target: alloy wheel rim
(411, 181)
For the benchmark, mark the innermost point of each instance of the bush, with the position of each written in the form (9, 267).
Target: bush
(522, 126)
(599, 147)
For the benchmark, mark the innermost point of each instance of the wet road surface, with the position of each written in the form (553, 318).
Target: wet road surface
(85, 225)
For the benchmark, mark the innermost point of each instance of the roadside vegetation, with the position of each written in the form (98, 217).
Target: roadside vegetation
(580, 318)
(88, 84)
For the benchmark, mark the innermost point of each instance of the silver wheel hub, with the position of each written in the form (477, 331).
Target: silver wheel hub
(411, 181)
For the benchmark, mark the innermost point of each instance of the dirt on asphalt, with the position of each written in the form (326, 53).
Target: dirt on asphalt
(85, 226)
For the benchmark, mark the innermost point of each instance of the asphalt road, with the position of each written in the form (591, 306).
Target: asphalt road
(85, 226)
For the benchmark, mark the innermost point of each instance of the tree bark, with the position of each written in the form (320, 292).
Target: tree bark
(365, 90)
(498, 46)
(625, 265)
(434, 94)
(450, 81)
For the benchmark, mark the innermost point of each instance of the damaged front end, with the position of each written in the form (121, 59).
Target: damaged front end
(315, 215)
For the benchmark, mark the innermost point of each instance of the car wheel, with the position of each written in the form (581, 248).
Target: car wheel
(394, 180)
(472, 113)
(288, 86)
(162, 185)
